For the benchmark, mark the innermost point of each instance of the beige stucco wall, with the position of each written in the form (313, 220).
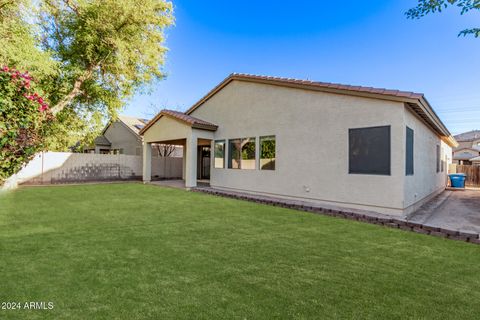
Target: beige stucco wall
(169, 129)
(166, 129)
(122, 137)
(311, 130)
(425, 182)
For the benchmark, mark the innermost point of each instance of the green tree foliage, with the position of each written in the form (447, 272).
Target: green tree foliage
(107, 48)
(248, 149)
(267, 150)
(88, 56)
(425, 7)
(25, 121)
(20, 41)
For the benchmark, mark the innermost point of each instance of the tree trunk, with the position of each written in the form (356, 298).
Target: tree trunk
(76, 91)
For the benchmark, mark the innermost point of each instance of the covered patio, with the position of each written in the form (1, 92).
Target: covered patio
(175, 128)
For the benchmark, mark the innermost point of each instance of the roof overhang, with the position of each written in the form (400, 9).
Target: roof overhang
(181, 117)
(416, 101)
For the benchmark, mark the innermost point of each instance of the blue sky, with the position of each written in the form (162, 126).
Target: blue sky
(368, 43)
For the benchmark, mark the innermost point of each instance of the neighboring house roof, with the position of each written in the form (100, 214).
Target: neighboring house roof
(463, 157)
(468, 136)
(191, 121)
(102, 141)
(416, 101)
(132, 123)
(472, 149)
(458, 155)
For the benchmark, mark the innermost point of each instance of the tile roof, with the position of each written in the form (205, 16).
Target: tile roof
(192, 121)
(468, 136)
(416, 101)
(307, 84)
(329, 85)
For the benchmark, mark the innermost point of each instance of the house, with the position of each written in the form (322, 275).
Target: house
(468, 147)
(121, 136)
(464, 156)
(475, 161)
(347, 146)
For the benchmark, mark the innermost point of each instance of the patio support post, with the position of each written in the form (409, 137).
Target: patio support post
(184, 150)
(147, 162)
(191, 162)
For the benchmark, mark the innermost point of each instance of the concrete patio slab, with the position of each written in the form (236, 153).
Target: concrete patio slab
(178, 184)
(456, 210)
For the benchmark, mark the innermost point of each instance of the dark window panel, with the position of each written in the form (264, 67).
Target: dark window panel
(409, 163)
(369, 150)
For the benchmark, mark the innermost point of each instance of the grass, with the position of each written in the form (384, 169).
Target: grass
(132, 251)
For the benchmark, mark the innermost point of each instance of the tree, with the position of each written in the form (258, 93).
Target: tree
(20, 41)
(165, 150)
(107, 48)
(25, 120)
(425, 7)
(88, 56)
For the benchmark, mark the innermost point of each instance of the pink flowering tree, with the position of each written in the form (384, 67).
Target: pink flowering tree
(24, 121)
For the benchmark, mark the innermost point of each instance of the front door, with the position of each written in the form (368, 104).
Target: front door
(203, 168)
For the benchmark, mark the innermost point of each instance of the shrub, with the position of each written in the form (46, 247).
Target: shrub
(24, 121)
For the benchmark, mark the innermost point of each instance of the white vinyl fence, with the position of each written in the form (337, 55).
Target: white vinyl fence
(67, 167)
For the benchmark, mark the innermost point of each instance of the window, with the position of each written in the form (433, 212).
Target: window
(241, 154)
(369, 150)
(409, 153)
(442, 163)
(219, 154)
(267, 153)
(438, 158)
(234, 153)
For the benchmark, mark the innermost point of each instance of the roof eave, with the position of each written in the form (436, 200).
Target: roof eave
(193, 125)
(150, 123)
(417, 99)
(305, 86)
(440, 126)
(204, 127)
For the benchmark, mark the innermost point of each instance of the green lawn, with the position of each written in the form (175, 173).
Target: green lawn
(130, 251)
